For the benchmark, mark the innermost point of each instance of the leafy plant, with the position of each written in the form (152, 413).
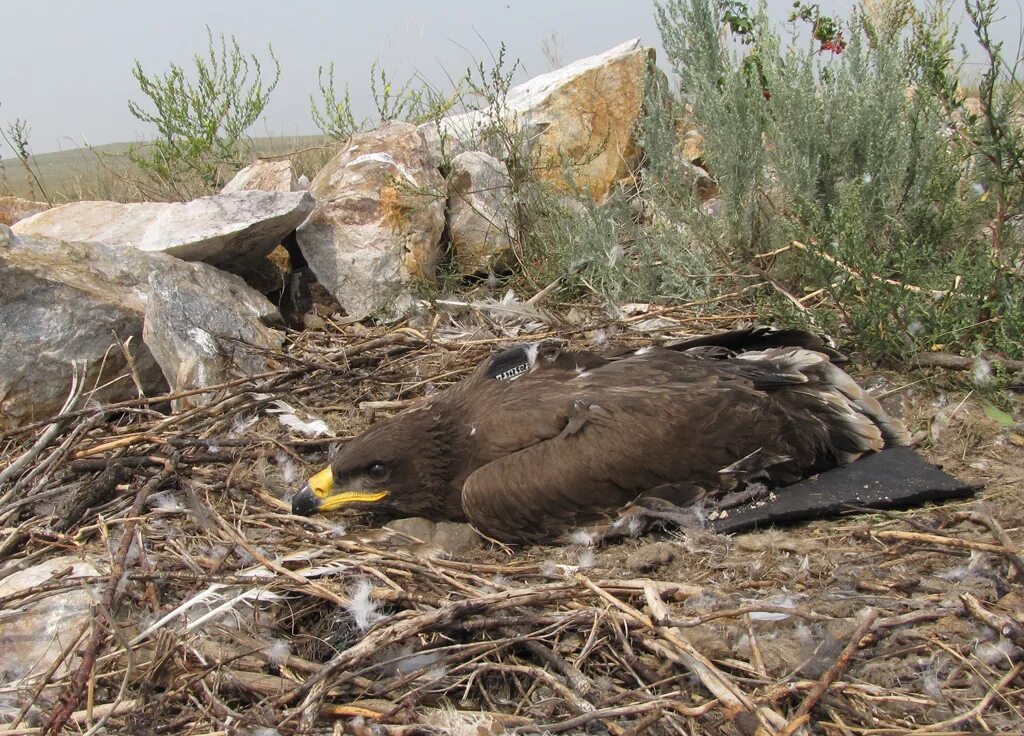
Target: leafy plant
(201, 120)
(406, 102)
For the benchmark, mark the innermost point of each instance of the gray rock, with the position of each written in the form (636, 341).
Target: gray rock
(205, 327)
(264, 176)
(480, 213)
(66, 302)
(228, 230)
(269, 273)
(651, 556)
(378, 220)
(32, 637)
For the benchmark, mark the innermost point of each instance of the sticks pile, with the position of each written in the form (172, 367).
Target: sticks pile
(219, 610)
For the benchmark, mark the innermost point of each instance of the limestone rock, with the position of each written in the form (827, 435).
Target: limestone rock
(480, 214)
(205, 327)
(583, 114)
(63, 303)
(378, 220)
(13, 209)
(270, 273)
(228, 230)
(32, 637)
(264, 176)
(70, 302)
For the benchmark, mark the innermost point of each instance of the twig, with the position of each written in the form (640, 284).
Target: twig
(70, 697)
(1005, 625)
(941, 541)
(803, 712)
(961, 362)
(978, 709)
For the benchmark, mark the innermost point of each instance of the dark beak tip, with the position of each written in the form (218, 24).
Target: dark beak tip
(305, 503)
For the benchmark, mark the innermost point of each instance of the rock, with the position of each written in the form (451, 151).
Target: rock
(583, 114)
(303, 183)
(63, 303)
(693, 145)
(228, 230)
(270, 273)
(13, 209)
(480, 216)
(651, 556)
(70, 302)
(33, 636)
(206, 327)
(378, 220)
(264, 176)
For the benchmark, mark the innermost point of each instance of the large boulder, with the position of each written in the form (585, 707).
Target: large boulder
(378, 220)
(68, 302)
(15, 209)
(204, 327)
(480, 216)
(264, 176)
(579, 119)
(228, 230)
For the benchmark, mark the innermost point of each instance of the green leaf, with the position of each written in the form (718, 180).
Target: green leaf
(998, 415)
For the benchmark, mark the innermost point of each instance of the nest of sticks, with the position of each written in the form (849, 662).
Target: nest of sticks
(214, 610)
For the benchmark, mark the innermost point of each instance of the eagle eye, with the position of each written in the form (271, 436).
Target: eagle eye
(377, 471)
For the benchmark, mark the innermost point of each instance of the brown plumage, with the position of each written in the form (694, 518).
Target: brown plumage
(537, 442)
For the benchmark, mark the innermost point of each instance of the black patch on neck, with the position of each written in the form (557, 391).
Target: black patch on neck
(508, 364)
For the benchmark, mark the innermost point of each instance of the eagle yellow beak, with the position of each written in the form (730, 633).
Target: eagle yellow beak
(318, 495)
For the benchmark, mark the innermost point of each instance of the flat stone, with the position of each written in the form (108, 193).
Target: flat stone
(228, 230)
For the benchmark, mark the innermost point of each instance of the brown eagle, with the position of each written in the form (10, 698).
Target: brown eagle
(539, 441)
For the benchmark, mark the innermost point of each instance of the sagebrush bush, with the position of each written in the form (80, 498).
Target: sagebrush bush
(845, 149)
(201, 119)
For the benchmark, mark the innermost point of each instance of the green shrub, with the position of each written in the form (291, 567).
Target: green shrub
(201, 122)
(848, 149)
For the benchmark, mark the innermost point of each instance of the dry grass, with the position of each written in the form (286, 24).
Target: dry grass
(105, 173)
(241, 616)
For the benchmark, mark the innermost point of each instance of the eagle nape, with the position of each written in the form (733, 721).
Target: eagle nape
(540, 441)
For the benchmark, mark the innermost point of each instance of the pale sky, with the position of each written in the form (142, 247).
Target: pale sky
(65, 66)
